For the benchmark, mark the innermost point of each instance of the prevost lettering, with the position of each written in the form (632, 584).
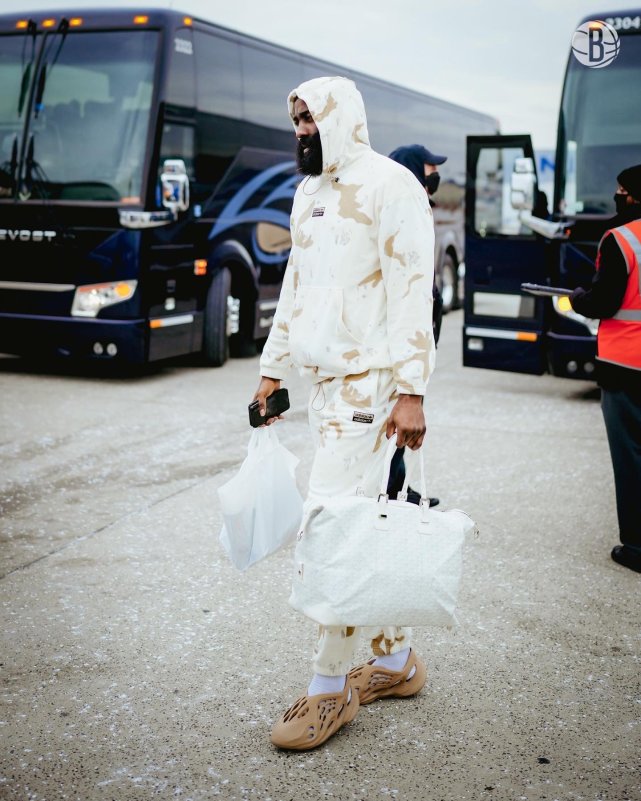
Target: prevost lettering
(22, 235)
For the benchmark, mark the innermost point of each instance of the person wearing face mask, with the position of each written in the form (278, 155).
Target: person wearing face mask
(615, 299)
(423, 164)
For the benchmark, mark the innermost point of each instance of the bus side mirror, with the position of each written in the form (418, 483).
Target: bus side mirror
(175, 185)
(523, 184)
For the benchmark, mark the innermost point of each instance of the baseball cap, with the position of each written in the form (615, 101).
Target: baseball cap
(432, 158)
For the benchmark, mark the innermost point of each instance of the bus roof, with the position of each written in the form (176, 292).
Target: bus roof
(123, 17)
(604, 15)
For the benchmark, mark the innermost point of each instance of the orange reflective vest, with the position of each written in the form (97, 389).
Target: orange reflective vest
(619, 337)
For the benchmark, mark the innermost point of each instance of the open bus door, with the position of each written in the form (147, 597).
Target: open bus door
(504, 329)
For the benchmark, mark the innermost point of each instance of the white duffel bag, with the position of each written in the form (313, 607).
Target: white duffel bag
(364, 561)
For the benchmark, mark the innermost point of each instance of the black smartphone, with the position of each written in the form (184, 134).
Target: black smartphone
(277, 403)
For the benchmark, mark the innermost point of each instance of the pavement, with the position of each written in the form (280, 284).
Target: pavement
(137, 663)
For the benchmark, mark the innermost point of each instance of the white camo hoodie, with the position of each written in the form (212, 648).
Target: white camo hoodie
(357, 291)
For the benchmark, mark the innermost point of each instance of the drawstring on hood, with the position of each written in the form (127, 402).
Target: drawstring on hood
(339, 113)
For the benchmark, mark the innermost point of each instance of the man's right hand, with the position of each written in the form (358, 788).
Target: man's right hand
(266, 388)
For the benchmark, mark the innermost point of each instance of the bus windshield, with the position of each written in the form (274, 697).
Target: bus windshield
(600, 129)
(90, 117)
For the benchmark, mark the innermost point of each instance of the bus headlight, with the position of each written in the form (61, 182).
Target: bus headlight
(563, 307)
(91, 298)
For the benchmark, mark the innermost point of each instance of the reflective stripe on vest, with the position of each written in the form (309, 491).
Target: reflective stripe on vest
(619, 337)
(628, 314)
(635, 246)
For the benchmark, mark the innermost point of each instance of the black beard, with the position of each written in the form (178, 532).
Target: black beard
(310, 163)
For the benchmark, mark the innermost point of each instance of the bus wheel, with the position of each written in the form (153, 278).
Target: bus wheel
(219, 314)
(449, 283)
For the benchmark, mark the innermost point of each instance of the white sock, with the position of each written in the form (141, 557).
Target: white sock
(320, 685)
(395, 661)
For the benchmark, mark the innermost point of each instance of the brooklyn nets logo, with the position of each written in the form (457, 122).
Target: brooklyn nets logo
(595, 44)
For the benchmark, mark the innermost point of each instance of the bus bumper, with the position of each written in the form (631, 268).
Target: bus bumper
(571, 357)
(74, 338)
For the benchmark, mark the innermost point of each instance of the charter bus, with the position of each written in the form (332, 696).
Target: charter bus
(147, 178)
(599, 134)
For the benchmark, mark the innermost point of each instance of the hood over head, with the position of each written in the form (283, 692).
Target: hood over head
(339, 113)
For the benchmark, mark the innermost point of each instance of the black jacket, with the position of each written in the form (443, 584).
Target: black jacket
(413, 158)
(603, 300)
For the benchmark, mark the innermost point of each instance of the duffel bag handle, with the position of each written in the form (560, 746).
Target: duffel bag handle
(389, 455)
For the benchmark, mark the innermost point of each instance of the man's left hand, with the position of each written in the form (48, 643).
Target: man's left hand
(408, 421)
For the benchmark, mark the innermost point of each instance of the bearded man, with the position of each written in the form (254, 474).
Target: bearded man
(355, 317)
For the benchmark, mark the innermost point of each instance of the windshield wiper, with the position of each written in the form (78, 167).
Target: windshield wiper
(34, 176)
(38, 105)
(8, 171)
(24, 189)
(26, 72)
(24, 86)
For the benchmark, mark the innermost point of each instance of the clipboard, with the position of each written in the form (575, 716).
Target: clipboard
(544, 291)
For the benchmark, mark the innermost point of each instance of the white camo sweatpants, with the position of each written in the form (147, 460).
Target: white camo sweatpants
(348, 418)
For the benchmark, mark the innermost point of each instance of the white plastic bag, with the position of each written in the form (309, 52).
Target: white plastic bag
(261, 505)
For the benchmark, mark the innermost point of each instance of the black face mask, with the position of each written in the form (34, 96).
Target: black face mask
(310, 163)
(432, 182)
(621, 203)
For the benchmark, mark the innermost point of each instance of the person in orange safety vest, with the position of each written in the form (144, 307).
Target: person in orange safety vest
(615, 299)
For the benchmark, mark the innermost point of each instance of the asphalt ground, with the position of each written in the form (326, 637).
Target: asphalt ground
(137, 663)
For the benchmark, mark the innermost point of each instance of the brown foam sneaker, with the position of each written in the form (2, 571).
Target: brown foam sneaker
(313, 719)
(374, 682)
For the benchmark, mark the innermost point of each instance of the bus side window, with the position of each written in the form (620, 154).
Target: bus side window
(181, 83)
(268, 78)
(219, 109)
(178, 143)
(382, 116)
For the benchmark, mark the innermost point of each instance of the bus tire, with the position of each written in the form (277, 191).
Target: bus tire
(449, 284)
(215, 350)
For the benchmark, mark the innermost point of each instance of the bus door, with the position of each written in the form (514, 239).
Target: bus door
(503, 327)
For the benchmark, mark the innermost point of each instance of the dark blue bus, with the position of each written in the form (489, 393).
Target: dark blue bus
(147, 175)
(599, 134)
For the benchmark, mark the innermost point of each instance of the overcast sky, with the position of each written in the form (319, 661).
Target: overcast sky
(502, 57)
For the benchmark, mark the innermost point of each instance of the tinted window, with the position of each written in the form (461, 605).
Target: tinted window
(219, 127)
(90, 131)
(601, 116)
(178, 143)
(267, 80)
(219, 80)
(181, 89)
(381, 108)
(17, 58)
(320, 69)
